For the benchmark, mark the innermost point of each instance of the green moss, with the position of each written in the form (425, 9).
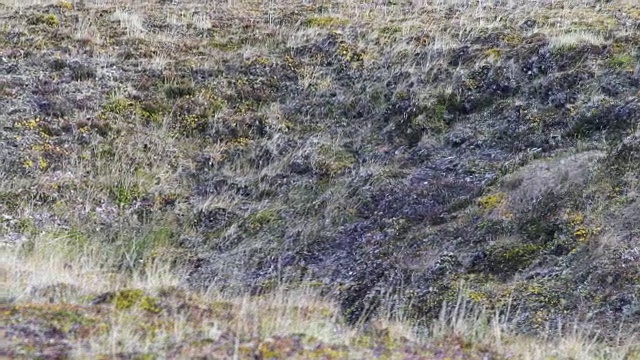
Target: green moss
(191, 124)
(135, 298)
(325, 22)
(149, 304)
(222, 309)
(327, 352)
(538, 293)
(26, 226)
(509, 258)
(127, 299)
(536, 228)
(225, 44)
(118, 106)
(622, 61)
(334, 161)
(193, 115)
(147, 356)
(389, 30)
(260, 60)
(214, 104)
(435, 117)
(247, 106)
(269, 285)
(124, 195)
(512, 39)
(65, 5)
(152, 111)
(447, 102)
(618, 48)
(522, 252)
(62, 317)
(401, 95)
(493, 53)
(262, 219)
(50, 20)
(478, 297)
(10, 200)
(350, 52)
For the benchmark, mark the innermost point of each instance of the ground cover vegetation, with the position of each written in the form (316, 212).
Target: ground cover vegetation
(303, 179)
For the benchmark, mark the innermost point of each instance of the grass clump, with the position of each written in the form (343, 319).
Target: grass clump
(176, 91)
(623, 62)
(334, 161)
(262, 219)
(83, 72)
(124, 195)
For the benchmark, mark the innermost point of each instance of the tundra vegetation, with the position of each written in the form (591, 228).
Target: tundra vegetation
(421, 179)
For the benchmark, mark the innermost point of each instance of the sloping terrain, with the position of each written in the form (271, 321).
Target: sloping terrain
(382, 154)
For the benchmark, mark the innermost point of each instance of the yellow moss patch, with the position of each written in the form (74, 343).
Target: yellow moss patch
(490, 202)
(581, 234)
(50, 20)
(575, 219)
(325, 21)
(65, 5)
(261, 60)
(118, 106)
(477, 296)
(152, 112)
(30, 124)
(27, 163)
(493, 53)
(523, 252)
(128, 299)
(240, 142)
(538, 292)
(225, 44)
(350, 52)
(190, 123)
(580, 231)
(512, 39)
(42, 163)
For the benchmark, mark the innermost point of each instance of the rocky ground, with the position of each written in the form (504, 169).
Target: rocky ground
(391, 157)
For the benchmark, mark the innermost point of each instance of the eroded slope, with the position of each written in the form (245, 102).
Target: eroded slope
(382, 154)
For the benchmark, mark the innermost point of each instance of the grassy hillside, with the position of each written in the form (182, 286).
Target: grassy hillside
(426, 179)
